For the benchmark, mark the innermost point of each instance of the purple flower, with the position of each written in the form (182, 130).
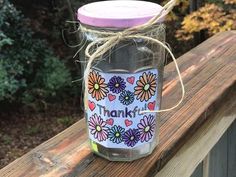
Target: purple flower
(116, 84)
(131, 137)
(98, 128)
(147, 127)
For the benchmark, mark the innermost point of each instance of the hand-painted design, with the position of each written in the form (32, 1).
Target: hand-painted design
(114, 104)
(147, 127)
(110, 121)
(115, 134)
(97, 86)
(128, 122)
(111, 97)
(146, 86)
(91, 105)
(116, 84)
(131, 137)
(131, 80)
(151, 105)
(98, 128)
(126, 97)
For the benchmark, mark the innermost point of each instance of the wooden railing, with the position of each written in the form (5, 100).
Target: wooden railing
(187, 134)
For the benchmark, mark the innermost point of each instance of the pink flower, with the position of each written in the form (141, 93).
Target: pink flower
(98, 127)
(147, 127)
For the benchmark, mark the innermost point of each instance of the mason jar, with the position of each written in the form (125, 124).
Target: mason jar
(125, 81)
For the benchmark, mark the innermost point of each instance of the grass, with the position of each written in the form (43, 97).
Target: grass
(65, 121)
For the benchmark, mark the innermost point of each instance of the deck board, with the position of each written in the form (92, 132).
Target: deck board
(209, 75)
(232, 150)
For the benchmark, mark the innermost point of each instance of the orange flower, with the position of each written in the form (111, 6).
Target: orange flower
(146, 86)
(97, 86)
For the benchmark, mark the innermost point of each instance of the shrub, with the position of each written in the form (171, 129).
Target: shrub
(28, 68)
(213, 17)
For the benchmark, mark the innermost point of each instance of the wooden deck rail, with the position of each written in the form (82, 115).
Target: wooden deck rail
(209, 108)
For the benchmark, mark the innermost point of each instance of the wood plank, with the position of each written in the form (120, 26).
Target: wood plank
(198, 172)
(206, 163)
(209, 74)
(232, 150)
(218, 158)
(196, 149)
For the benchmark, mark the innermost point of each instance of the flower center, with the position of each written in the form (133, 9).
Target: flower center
(98, 128)
(146, 87)
(117, 134)
(117, 85)
(147, 128)
(132, 138)
(96, 86)
(126, 97)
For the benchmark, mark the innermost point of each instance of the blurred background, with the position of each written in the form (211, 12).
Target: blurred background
(37, 96)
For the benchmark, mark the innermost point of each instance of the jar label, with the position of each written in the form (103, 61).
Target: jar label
(114, 104)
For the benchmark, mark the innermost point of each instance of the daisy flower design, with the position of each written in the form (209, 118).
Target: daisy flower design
(97, 86)
(116, 84)
(147, 127)
(146, 86)
(98, 128)
(126, 97)
(115, 134)
(131, 137)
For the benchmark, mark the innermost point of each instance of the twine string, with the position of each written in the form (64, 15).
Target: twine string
(107, 40)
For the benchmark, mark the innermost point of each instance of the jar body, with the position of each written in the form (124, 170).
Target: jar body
(122, 83)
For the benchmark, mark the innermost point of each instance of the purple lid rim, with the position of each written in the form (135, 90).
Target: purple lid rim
(114, 22)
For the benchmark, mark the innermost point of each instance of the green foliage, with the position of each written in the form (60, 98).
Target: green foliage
(48, 75)
(28, 68)
(6, 139)
(65, 121)
(33, 130)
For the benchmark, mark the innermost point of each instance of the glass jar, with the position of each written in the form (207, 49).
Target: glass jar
(123, 82)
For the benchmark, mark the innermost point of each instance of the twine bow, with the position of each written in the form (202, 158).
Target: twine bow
(110, 39)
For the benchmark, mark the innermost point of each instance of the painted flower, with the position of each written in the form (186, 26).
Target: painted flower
(146, 86)
(115, 134)
(97, 86)
(116, 84)
(98, 128)
(131, 137)
(147, 128)
(126, 97)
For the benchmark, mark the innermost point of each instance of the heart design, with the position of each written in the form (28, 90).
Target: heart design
(151, 105)
(128, 122)
(131, 79)
(110, 121)
(91, 105)
(111, 97)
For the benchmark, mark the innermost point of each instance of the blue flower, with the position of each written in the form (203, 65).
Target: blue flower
(131, 137)
(126, 97)
(116, 84)
(115, 134)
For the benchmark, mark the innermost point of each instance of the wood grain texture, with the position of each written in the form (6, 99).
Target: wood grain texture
(213, 134)
(205, 167)
(219, 157)
(232, 150)
(209, 75)
(198, 172)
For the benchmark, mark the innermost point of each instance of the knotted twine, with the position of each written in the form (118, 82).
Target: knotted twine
(107, 40)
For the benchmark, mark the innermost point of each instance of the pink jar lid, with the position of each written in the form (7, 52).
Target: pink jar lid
(119, 14)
